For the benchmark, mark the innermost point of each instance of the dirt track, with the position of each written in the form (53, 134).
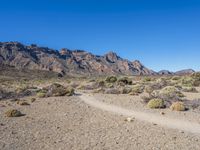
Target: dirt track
(164, 121)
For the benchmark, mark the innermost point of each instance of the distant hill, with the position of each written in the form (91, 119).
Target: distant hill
(185, 71)
(67, 61)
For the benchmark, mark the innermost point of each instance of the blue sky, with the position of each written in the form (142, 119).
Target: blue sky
(162, 34)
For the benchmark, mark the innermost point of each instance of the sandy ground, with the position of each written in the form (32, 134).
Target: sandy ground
(70, 123)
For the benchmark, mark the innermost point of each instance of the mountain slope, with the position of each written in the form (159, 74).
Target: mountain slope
(67, 61)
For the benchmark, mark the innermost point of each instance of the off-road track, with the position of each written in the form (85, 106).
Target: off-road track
(161, 120)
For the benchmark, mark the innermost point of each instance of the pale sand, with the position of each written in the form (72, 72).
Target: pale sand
(70, 123)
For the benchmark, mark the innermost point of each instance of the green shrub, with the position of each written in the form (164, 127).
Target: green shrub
(156, 103)
(124, 81)
(41, 94)
(147, 79)
(70, 91)
(111, 79)
(167, 92)
(101, 83)
(136, 90)
(178, 106)
(187, 81)
(176, 78)
(196, 76)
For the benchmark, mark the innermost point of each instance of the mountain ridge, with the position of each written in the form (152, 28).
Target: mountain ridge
(66, 61)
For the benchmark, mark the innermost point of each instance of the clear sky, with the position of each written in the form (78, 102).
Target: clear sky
(162, 34)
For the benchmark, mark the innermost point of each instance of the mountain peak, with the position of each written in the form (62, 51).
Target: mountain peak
(111, 56)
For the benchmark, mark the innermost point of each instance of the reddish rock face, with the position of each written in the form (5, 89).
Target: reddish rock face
(67, 61)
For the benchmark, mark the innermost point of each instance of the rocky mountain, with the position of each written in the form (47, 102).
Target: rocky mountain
(181, 72)
(67, 61)
(165, 72)
(184, 72)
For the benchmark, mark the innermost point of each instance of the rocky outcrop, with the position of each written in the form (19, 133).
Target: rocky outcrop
(67, 61)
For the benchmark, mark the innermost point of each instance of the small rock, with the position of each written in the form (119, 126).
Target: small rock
(130, 119)
(181, 131)
(162, 113)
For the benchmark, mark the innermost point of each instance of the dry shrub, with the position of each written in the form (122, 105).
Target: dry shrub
(55, 90)
(22, 102)
(126, 90)
(178, 106)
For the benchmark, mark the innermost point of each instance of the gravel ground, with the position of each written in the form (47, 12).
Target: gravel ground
(68, 123)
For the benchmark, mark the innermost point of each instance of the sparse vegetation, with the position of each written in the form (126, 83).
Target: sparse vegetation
(111, 79)
(69, 91)
(156, 103)
(190, 89)
(147, 79)
(124, 81)
(137, 89)
(167, 93)
(178, 106)
(41, 94)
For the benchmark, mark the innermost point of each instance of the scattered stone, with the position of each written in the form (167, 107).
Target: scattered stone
(130, 119)
(162, 113)
(13, 113)
(33, 100)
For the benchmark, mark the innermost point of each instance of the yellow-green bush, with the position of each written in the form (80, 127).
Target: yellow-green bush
(176, 78)
(41, 94)
(147, 79)
(111, 79)
(178, 106)
(169, 91)
(156, 103)
(69, 91)
(137, 89)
